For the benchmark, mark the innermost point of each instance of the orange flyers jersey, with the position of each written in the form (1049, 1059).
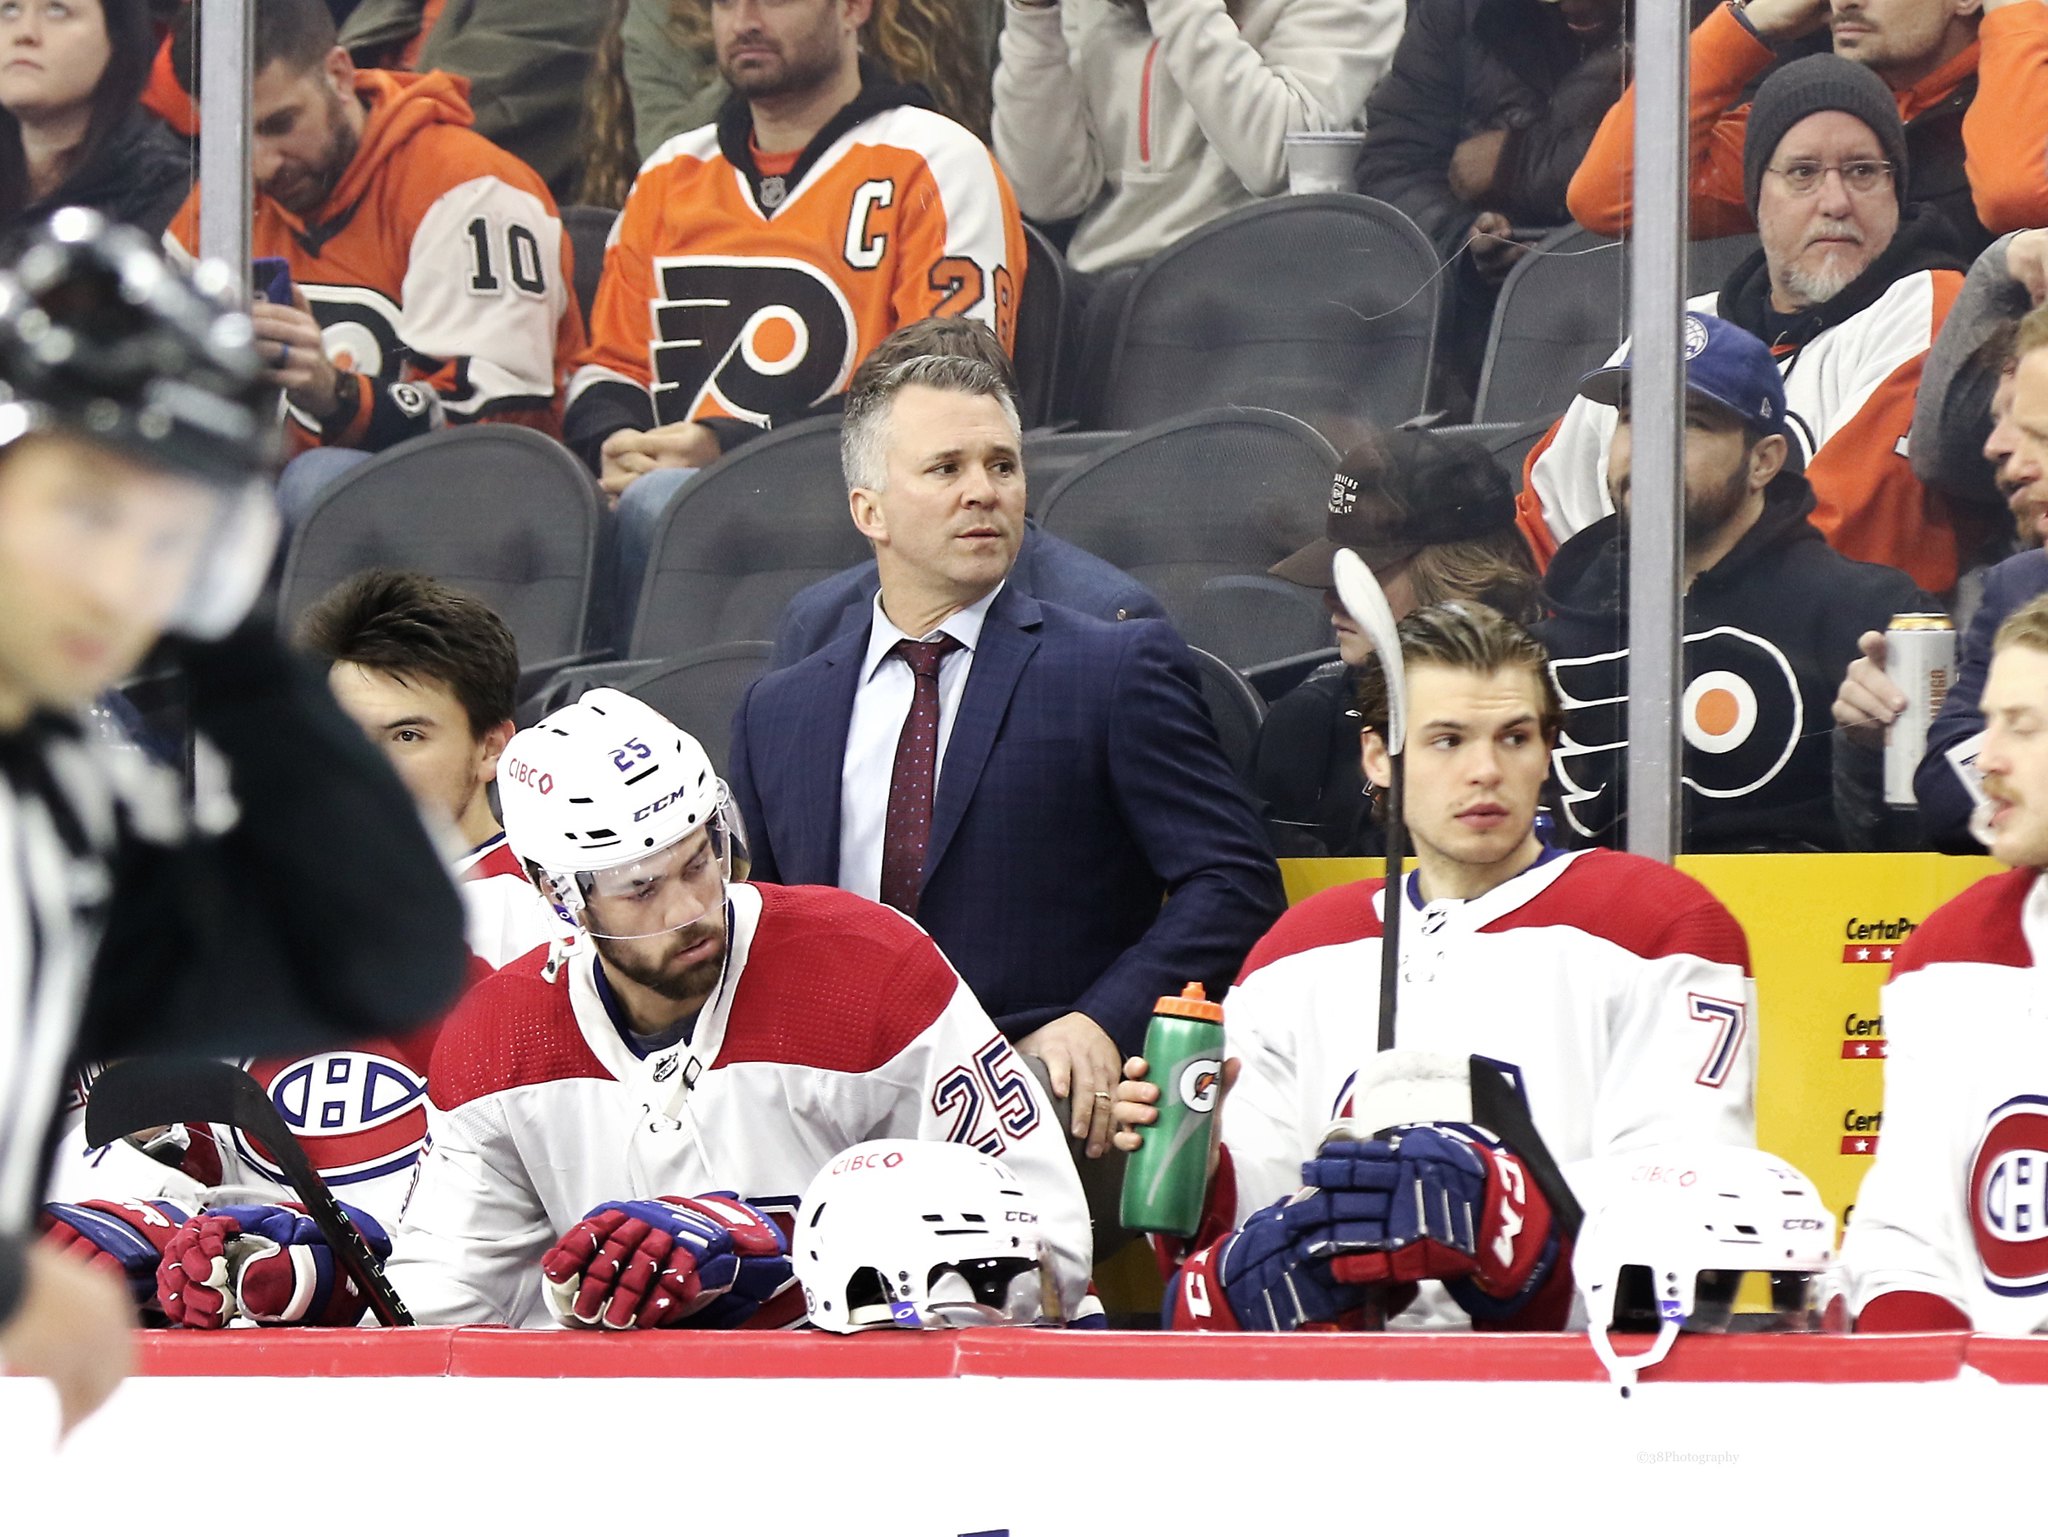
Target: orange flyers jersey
(718, 302)
(438, 269)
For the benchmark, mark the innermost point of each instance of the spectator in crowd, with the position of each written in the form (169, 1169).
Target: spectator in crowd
(1770, 619)
(430, 674)
(1945, 784)
(525, 61)
(1435, 519)
(1969, 90)
(1145, 119)
(1041, 790)
(1942, 1233)
(71, 130)
(1617, 987)
(758, 260)
(429, 269)
(1848, 291)
(656, 75)
(1047, 566)
(1475, 130)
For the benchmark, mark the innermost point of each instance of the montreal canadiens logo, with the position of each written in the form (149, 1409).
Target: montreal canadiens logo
(2009, 1198)
(1198, 1082)
(358, 1114)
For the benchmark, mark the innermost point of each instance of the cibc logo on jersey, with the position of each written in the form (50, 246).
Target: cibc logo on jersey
(1741, 713)
(360, 1114)
(2009, 1197)
(762, 336)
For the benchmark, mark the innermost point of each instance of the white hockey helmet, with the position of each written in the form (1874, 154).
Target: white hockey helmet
(1680, 1228)
(905, 1234)
(605, 786)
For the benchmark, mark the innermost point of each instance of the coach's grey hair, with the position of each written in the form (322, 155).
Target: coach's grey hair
(864, 436)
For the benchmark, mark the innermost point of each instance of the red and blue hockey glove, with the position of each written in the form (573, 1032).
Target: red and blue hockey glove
(1439, 1202)
(704, 1262)
(268, 1264)
(1268, 1275)
(126, 1239)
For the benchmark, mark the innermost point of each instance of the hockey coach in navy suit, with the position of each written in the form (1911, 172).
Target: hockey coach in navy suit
(1040, 789)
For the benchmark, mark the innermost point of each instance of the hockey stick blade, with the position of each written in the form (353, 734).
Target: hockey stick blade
(1359, 591)
(141, 1093)
(1498, 1106)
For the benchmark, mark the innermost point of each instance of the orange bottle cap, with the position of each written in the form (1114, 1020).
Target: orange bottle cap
(1193, 1003)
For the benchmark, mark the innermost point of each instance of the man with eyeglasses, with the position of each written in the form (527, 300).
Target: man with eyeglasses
(1848, 292)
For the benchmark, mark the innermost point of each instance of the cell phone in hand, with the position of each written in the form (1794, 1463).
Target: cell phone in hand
(270, 277)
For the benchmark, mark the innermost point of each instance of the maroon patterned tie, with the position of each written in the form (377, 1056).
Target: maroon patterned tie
(908, 830)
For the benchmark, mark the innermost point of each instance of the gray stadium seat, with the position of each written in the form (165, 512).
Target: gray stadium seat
(504, 513)
(589, 228)
(1334, 296)
(1235, 707)
(740, 539)
(699, 692)
(1250, 620)
(1220, 493)
(1042, 325)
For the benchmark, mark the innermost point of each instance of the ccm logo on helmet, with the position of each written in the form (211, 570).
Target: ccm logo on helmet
(667, 800)
(523, 773)
(2009, 1198)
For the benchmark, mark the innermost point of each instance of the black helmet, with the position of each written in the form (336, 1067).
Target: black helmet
(100, 335)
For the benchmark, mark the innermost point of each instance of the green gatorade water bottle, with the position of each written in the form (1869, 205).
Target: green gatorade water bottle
(1165, 1180)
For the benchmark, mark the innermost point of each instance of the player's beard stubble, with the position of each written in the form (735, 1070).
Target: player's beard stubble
(652, 962)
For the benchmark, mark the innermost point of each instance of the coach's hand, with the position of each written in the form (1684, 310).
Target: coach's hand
(72, 1327)
(1135, 1105)
(630, 453)
(1081, 1061)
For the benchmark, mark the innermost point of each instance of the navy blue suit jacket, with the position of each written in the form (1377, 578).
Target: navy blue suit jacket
(1047, 567)
(1081, 787)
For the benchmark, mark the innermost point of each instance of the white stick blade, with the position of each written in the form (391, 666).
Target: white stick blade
(1359, 591)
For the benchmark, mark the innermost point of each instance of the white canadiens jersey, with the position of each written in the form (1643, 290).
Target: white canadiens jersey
(1617, 989)
(837, 1020)
(1955, 1204)
(508, 916)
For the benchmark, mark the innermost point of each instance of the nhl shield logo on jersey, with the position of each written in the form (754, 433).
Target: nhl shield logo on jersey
(2009, 1198)
(359, 1114)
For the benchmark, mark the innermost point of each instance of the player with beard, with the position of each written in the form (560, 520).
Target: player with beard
(1848, 291)
(1771, 616)
(698, 1034)
(429, 268)
(761, 257)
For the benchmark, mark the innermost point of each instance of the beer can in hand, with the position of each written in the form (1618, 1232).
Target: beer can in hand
(1166, 1180)
(1920, 657)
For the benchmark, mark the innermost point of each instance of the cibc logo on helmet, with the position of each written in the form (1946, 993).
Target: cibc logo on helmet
(521, 772)
(2009, 1197)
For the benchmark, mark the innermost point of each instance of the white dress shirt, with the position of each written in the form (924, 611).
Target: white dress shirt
(881, 704)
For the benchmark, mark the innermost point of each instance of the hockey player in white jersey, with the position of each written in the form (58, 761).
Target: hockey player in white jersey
(634, 1107)
(1614, 989)
(1950, 1228)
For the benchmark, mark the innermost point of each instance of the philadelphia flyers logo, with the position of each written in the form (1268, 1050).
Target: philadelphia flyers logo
(2009, 1198)
(1741, 715)
(359, 328)
(359, 1114)
(764, 337)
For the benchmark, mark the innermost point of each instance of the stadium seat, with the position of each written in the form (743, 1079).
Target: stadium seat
(1049, 457)
(1336, 297)
(739, 540)
(699, 692)
(1564, 310)
(1250, 620)
(589, 228)
(504, 513)
(1234, 706)
(1219, 493)
(1042, 323)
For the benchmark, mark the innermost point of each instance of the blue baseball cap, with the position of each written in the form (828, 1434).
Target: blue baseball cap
(1723, 363)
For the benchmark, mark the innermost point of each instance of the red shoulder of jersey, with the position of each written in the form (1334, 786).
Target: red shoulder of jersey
(510, 1030)
(1980, 925)
(1334, 917)
(1645, 907)
(834, 981)
(500, 861)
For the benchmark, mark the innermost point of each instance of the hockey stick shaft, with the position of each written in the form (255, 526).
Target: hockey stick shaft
(1360, 593)
(147, 1092)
